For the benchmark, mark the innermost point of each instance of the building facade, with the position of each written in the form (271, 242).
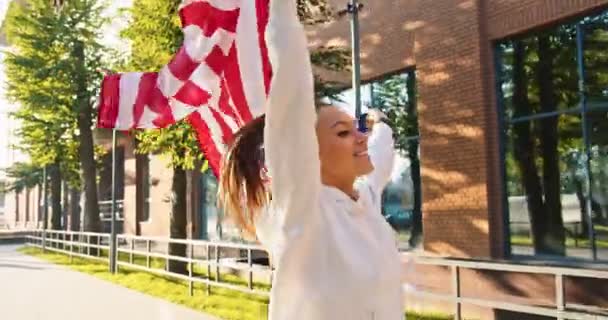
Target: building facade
(461, 53)
(511, 112)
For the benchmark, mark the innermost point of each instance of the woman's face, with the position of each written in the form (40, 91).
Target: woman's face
(342, 148)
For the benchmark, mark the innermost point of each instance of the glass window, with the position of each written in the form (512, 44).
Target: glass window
(551, 127)
(395, 95)
(214, 225)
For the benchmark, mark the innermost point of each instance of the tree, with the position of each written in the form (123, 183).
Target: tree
(548, 229)
(31, 30)
(22, 176)
(51, 71)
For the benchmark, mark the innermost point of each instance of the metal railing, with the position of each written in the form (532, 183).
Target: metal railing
(206, 261)
(212, 256)
(74, 244)
(561, 310)
(105, 210)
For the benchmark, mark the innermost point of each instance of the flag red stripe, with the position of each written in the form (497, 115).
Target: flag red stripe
(224, 103)
(235, 85)
(226, 131)
(216, 60)
(209, 18)
(110, 100)
(192, 95)
(263, 13)
(160, 104)
(182, 66)
(146, 85)
(206, 142)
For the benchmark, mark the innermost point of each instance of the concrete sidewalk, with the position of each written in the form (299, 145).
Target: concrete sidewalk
(32, 289)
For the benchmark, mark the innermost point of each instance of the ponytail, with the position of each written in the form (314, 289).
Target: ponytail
(242, 192)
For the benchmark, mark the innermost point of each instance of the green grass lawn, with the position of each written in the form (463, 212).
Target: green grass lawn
(601, 228)
(223, 303)
(521, 240)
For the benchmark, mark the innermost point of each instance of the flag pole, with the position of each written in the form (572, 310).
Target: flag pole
(353, 8)
(113, 253)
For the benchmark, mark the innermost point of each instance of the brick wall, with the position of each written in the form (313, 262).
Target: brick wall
(508, 17)
(450, 44)
(387, 37)
(453, 123)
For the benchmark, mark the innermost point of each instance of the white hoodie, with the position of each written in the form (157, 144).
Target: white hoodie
(335, 258)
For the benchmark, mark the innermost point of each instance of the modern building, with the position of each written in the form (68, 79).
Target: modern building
(511, 99)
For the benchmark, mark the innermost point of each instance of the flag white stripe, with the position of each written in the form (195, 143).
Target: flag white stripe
(168, 83)
(198, 46)
(129, 89)
(214, 128)
(250, 58)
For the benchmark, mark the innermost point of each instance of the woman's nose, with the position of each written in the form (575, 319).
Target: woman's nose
(361, 137)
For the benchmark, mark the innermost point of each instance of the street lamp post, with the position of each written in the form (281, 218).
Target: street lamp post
(353, 8)
(113, 253)
(45, 209)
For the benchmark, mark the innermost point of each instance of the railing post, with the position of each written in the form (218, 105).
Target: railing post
(456, 290)
(88, 244)
(98, 246)
(131, 251)
(560, 300)
(43, 240)
(250, 264)
(114, 251)
(208, 269)
(168, 259)
(71, 247)
(148, 253)
(217, 263)
(190, 270)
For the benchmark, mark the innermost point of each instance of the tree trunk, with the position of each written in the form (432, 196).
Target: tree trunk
(40, 204)
(523, 145)
(413, 146)
(178, 220)
(27, 206)
(583, 232)
(74, 210)
(86, 151)
(553, 241)
(65, 205)
(55, 177)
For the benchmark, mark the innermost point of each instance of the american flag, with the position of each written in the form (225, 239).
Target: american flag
(219, 79)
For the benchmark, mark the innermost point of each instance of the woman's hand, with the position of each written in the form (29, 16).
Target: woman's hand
(374, 116)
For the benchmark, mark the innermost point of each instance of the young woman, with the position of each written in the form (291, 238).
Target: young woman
(305, 181)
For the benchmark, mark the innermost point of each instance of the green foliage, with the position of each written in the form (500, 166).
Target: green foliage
(393, 97)
(22, 176)
(314, 11)
(41, 76)
(331, 59)
(155, 34)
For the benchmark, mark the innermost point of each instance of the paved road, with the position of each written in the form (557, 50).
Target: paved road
(32, 289)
